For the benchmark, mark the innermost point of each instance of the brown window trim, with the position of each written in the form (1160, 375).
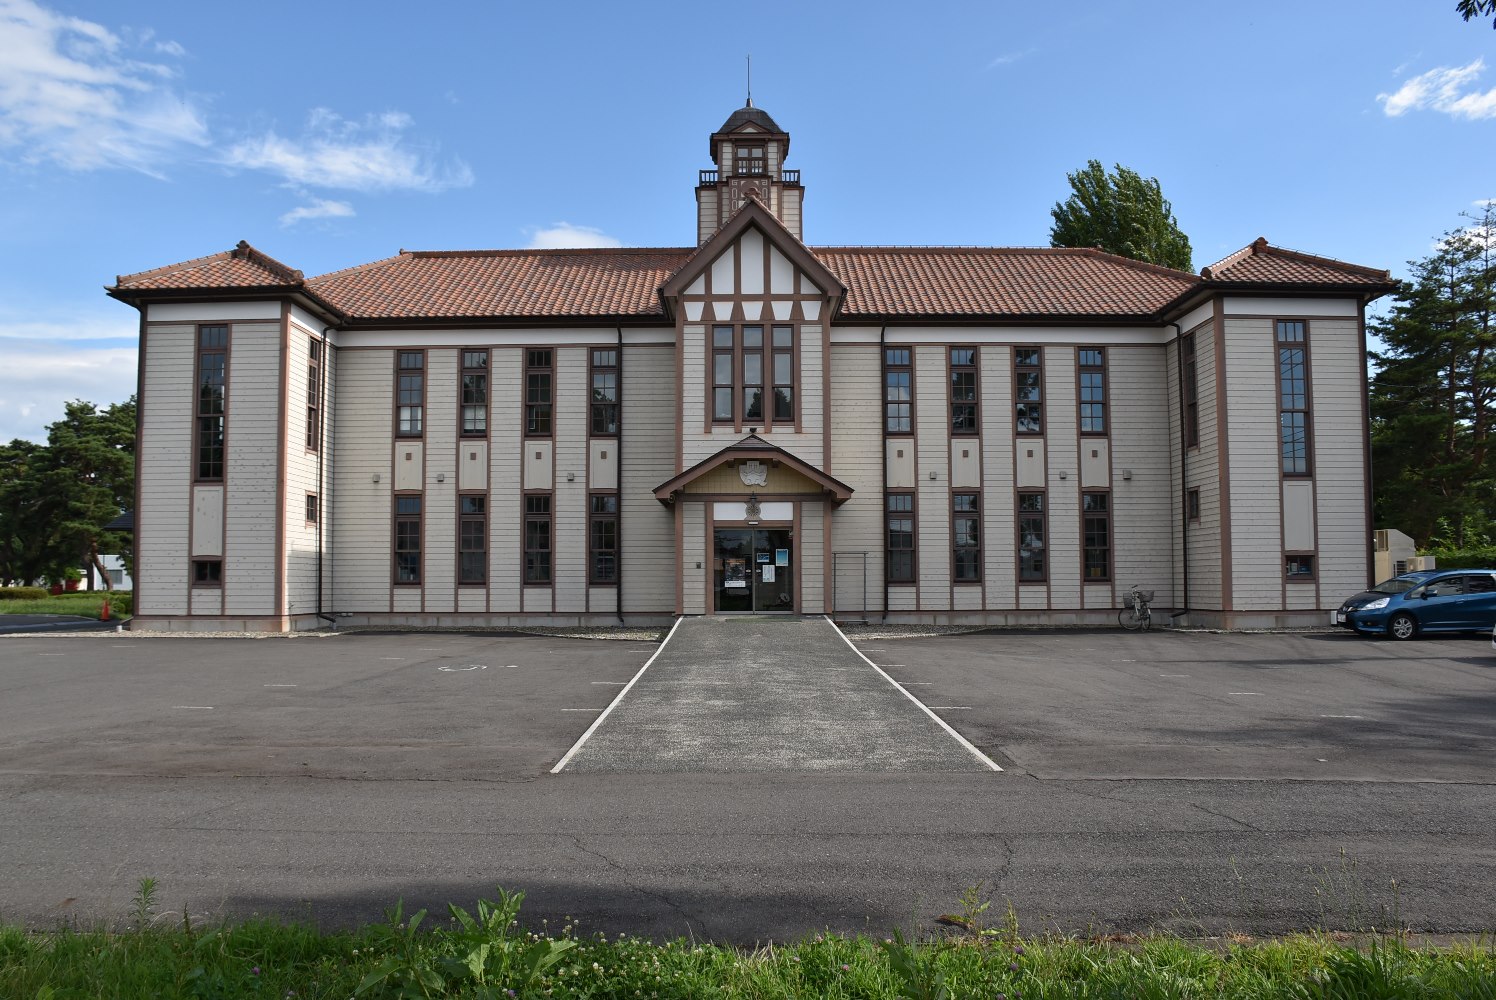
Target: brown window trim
(1308, 408)
(772, 351)
(410, 435)
(215, 582)
(313, 395)
(484, 534)
(1192, 504)
(1081, 370)
(525, 520)
(974, 369)
(593, 370)
(197, 401)
(1041, 402)
(533, 357)
(396, 517)
(739, 386)
(913, 514)
(889, 368)
(594, 517)
(1191, 391)
(1311, 577)
(1106, 516)
(464, 372)
(977, 513)
(1018, 516)
(312, 510)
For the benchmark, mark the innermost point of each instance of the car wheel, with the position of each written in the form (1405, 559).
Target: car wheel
(1402, 626)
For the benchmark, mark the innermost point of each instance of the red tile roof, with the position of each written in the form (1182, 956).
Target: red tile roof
(241, 267)
(1260, 262)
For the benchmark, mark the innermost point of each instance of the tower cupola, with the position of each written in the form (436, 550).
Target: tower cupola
(749, 152)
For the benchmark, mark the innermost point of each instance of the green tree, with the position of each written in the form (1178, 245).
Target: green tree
(24, 541)
(1122, 213)
(1471, 9)
(1433, 391)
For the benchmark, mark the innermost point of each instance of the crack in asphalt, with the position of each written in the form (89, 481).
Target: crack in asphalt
(661, 897)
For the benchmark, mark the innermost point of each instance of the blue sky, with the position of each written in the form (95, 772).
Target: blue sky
(331, 134)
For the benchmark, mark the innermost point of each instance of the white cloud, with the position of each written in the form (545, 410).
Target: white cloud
(38, 378)
(333, 152)
(565, 236)
(320, 208)
(71, 94)
(1447, 89)
(1008, 58)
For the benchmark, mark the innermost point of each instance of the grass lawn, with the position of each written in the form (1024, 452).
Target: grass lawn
(79, 602)
(487, 954)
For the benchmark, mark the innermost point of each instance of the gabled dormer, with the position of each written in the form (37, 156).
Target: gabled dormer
(749, 151)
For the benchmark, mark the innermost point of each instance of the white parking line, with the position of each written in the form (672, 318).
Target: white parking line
(1254, 694)
(208, 708)
(952, 708)
(610, 682)
(1174, 675)
(392, 657)
(280, 685)
(612, 704)
(579, 710)
(916, 683)
(1342, 716)
(923, 707)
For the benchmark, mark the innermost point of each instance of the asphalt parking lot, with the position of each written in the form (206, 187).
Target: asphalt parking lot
(1203, 783)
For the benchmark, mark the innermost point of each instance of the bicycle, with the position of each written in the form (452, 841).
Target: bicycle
(1137, 614)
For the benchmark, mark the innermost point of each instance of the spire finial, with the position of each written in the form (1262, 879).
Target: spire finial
(750, 80)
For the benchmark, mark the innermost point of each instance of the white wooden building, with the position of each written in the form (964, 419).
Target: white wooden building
(978, 435)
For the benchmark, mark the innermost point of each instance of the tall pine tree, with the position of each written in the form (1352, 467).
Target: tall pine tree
(1122, 213)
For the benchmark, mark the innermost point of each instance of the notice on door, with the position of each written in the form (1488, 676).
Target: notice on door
(781, 557)
(768, 573)
(734, 574)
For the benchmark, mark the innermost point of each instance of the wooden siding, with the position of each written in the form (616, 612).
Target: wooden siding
(647, 533)
(1335, 372)
(572, 415)
(855, 407)
(1256, 521)
(361, 506)
(506, 417)
(251, 470)
(1143, 527)
(932, 445)
(166, 465)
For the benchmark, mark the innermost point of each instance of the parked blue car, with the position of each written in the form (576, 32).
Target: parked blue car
(1457, 600)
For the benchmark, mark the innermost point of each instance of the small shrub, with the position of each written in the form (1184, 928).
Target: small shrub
(22, 593)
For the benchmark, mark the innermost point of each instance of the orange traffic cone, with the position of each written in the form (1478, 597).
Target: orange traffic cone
(104, 615)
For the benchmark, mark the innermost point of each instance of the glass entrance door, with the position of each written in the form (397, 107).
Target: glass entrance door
(752, 570)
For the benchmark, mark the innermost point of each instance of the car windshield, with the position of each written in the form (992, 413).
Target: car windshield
(1397, 585)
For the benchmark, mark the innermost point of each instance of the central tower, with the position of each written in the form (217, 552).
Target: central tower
(749, 151)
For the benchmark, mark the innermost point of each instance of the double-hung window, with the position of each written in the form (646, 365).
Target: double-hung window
(1096, 536)
(1191, 392)
(1092, 390)
(604, 376)
(407, 538)
(899, 517)
(410, 385)
(784, 374)
(602, 539)
(1033, 565)
(472, 539)
(964, 391)
(313, 395)
(966, 537)
(1028, 390)
(474, 393)
(898, 390)
(212, 372)
(538, 539)
(1293, 396)
(747, 369)
(539, 392)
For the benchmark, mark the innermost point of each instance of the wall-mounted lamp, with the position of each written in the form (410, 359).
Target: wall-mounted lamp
(932, 473)
(571, 477)
(441, 477)
(376, 477)
(1126, 473)
(1064, 475)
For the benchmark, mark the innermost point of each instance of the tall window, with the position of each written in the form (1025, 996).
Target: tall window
(898, 390)
(410, 383)
(538, 538)
(313, 395)
(963, 390)
(407, 538)
(1096, 536)
(312, 511)
(1028, 390)
(212, 368)
(474, 393)
(724, 372)
(605, 393)
(784, 373)
(1092, 390)
(539, 395)
(1192, 505)
(472, 539)
(1293, 396)
(1033, 567)
(1191, 394)
(748, 160)
(602, 538)
(753, 372)
(900, 520)
(966, 537)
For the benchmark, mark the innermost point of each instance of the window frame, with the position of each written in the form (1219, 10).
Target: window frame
(402, 371)
(773, 352)
(198, 415)
(1019, 515)
(738, 388)
(604, 517)
(1192, 504)
(314, 395)
(466, 518)
(548, 518)
(465, 372)
(974, 513)
(215, 580)
(907, 369)
(398, 519)
(1019, 370)
(1189, 362)
(1081, 371)
(312, 509)
(912, 515)
(971, 368)
(607, 406)
(1310, 577)
(540, 362)
(1303, 413)
(1104, 516)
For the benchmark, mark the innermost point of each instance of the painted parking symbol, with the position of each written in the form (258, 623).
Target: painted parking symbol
(453, 668)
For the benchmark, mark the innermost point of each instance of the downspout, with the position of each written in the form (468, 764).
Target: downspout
(883, 423)
(1184, 509)
(618, 451)
(322, 505)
